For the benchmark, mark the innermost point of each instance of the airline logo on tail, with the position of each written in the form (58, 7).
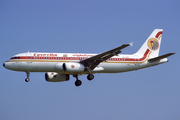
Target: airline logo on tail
(153, 43)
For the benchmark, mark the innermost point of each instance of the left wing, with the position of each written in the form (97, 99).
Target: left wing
(93, 61)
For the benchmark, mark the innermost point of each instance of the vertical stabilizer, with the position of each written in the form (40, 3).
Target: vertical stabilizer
(152, 44)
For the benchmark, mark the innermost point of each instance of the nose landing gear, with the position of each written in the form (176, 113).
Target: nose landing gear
(27, 79)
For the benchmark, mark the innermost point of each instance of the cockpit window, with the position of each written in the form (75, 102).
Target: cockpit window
(15, 58)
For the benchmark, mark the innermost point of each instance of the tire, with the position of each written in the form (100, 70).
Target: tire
(27, 79)
(90, 77)
(78, 83)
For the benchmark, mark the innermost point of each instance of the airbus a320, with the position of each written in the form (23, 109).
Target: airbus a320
(59, 66)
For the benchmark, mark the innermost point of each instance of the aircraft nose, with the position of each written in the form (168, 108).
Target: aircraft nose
(3, 64)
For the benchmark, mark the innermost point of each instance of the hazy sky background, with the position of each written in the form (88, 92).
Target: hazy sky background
(90, 26)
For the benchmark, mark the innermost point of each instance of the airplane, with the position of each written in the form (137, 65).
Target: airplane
(59, 66)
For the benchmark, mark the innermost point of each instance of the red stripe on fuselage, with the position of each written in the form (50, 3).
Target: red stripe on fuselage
(145, 55)
(138, 59)
(81, 58)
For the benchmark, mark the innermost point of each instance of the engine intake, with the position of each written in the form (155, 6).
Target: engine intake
(56, 77)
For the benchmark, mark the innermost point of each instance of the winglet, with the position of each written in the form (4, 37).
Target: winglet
(131, 44)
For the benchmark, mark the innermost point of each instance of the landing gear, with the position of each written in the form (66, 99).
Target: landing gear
(27, 79)
(90, 77)
(78, 82)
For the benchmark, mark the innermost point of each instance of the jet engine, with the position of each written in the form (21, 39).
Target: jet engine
(73, 67)
(56, 77)
(59, 67)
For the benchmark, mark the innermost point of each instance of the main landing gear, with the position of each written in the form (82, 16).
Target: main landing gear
(78, 82)
(90, 77)
(27, 79)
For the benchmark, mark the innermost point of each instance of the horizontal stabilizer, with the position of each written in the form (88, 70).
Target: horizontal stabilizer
(160, 57)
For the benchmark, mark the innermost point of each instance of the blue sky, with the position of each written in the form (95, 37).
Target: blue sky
(85, 26)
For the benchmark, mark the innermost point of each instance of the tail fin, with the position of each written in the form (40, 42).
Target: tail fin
(152, 44)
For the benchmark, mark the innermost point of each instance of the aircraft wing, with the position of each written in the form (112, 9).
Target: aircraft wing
(93, 61)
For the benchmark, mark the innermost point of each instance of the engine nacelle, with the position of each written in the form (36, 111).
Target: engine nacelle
(59, 67)
(73, 67)
(56, 77)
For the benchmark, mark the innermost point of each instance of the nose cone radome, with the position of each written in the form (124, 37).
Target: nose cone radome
(3, 64)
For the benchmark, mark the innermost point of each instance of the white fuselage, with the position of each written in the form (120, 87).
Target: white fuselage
(48, 62)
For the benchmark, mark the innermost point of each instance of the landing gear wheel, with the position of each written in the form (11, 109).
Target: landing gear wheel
(78, 83)
(90, 77)
(27, 74)
(27, 79)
